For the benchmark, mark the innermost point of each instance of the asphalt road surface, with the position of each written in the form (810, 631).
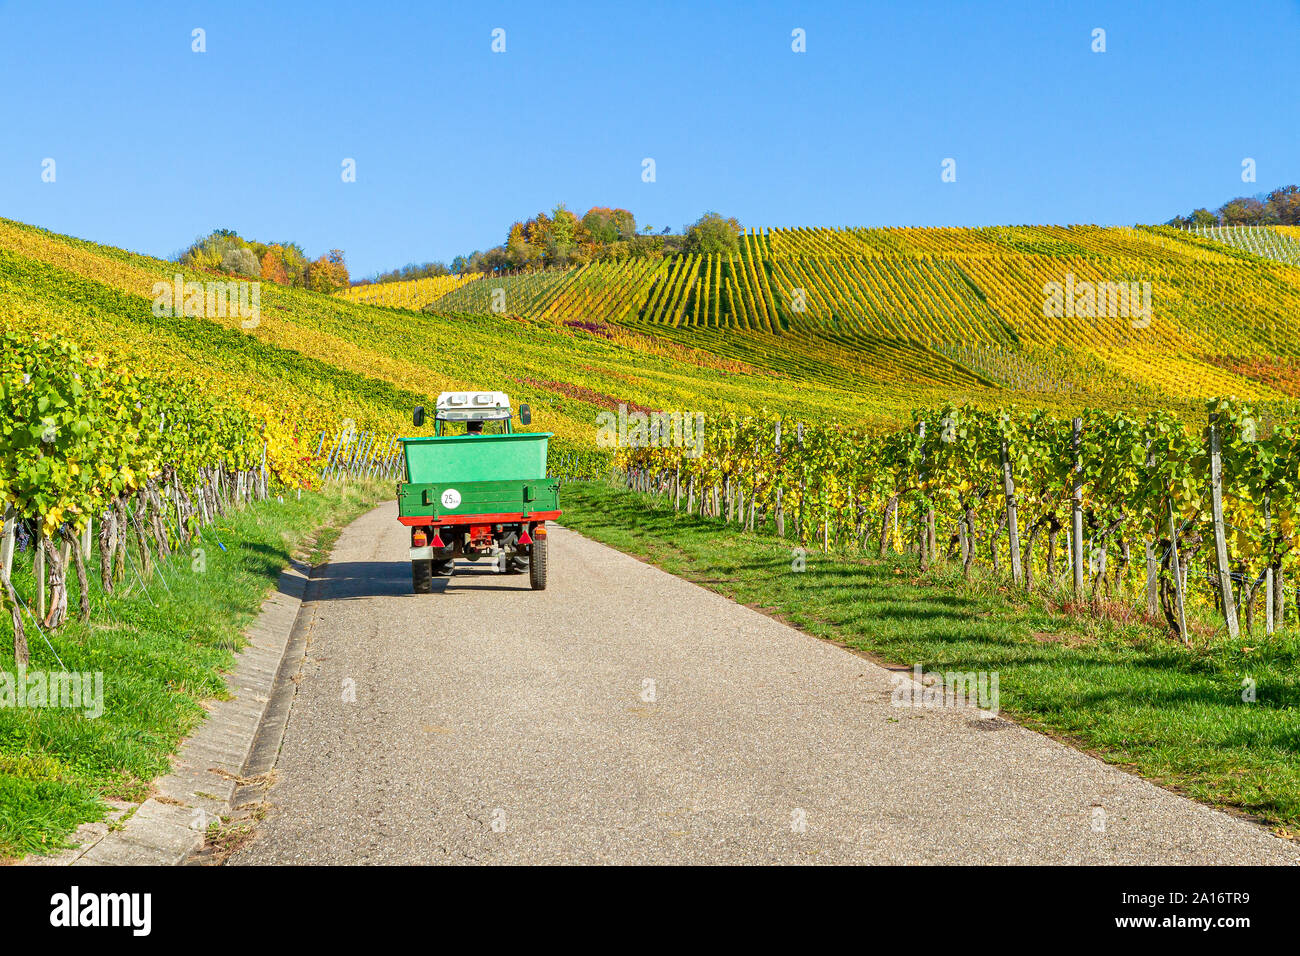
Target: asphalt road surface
(626, 716)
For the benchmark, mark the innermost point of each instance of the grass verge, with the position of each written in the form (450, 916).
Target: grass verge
(162, 647)
(1111, 685)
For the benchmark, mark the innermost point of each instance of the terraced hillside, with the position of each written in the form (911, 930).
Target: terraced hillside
(860, 325)
(318, 359)
(1150, 313)
(406, 293)
(1281, 243)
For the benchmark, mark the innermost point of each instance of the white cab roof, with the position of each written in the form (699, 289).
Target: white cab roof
(459, 406)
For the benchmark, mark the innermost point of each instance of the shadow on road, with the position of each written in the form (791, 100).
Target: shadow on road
(350, 580)
(470, 577)
(355, 580)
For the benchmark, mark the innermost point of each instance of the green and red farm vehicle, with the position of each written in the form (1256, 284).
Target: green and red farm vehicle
(480, 492)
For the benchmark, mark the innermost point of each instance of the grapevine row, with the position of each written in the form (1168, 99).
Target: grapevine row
(1142, 502)
(86, 443)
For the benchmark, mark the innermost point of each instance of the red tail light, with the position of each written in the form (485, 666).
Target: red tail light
(418, 539)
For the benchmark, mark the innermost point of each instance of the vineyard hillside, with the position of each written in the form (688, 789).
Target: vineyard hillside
(318, 360)
(860, 325)
(1154, 315)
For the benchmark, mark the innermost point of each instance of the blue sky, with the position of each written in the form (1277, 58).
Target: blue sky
(156, 144)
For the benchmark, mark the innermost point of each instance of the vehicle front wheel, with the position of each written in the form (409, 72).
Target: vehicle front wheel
(537, 565)
(421, 576)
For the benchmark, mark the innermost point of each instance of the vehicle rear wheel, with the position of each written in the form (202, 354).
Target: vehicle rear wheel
(421, 576)
(537, 565)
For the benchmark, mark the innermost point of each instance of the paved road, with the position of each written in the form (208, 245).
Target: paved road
(495, 724)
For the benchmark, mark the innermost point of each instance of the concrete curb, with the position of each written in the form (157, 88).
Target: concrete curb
(209, 766)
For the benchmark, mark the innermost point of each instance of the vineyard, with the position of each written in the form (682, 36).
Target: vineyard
(1159, 310)
(855, 324)
(319, 359)
(85, 444)
(406, 294)
(1266, 241)
(1105, 506)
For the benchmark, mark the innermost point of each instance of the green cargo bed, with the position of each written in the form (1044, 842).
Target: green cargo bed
(451, 499)
(520, 456)
(457, 476)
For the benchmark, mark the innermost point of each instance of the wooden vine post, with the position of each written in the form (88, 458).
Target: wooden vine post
(780, 507)
(922, 531)
(1153, 574)
(753, 489)
(180, 518)
(1279, 597)
(1076, 506)
(1220, 538)
(1178, 576)
(38, 563)
(1268, 571)
(826, 522)
(1013, 533)
(7, 593)
(803, 487)
(7, 538)
(895, 527)
(364, 464)
(931, 535)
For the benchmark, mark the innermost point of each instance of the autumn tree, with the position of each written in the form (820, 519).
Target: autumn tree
(1279, 207)
(241, 262)
(1284, 204)
(519, 250)
(606, 225)
(329, 273)
(1243, 211)
(296, 264)
(713, 234)
(273, 269)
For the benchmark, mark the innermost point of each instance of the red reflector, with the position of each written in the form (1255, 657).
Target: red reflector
(437, 540)
(523, 537)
